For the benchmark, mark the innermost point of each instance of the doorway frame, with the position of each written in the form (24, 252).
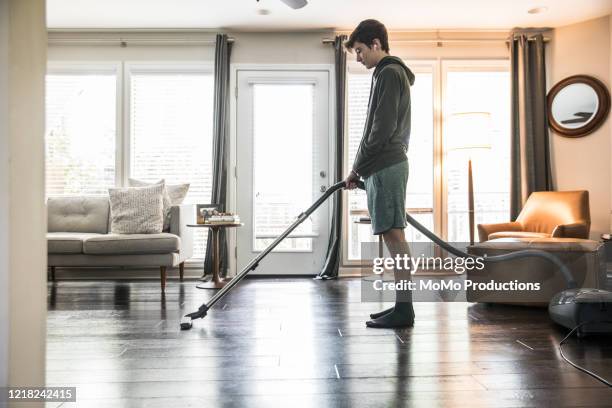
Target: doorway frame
(231, 170)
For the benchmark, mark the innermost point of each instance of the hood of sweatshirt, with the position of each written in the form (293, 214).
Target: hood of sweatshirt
(394, 60)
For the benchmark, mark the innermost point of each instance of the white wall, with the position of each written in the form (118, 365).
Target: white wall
(256, 47)
(252, 48)
(282, 48)
(584, 163)
(27, 225)
(132, 52)
(477, 45)
(4, 203)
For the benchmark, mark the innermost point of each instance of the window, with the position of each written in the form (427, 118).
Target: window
(476, 127)
(171, 133)
(81, 132)
(165, 132)
(420, 191)
(437, 184)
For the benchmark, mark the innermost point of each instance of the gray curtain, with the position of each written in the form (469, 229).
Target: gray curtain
(334, 252)
(530, 150)
(223, 49)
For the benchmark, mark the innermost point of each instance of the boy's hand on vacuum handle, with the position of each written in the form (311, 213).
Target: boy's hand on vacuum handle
(351, 180)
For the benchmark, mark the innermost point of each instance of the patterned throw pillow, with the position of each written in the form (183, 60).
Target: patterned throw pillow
(137, 210)
(173, 195)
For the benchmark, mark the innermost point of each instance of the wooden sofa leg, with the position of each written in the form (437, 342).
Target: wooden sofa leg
(162, 270)
(181, 270)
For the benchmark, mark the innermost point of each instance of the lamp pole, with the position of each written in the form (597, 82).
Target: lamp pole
(473, 130)
(471, 201)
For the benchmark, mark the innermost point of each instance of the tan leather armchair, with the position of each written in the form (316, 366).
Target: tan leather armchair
(546, 214)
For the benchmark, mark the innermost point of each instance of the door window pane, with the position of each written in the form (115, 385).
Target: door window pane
(283, 179)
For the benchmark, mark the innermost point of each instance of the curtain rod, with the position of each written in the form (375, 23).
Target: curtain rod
(125, 41)
(448, 40)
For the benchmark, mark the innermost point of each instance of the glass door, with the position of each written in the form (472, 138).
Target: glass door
(282, 167)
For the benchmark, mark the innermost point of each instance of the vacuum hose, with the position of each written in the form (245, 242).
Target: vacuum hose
(571, 283)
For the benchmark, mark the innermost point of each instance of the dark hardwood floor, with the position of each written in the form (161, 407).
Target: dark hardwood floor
(303, 343)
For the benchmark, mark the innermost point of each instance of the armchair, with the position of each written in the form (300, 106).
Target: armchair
(546, 214)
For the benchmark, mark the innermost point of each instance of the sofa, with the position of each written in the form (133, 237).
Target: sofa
(78, 235)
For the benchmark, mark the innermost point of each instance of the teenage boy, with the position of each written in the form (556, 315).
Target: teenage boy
(381, 159)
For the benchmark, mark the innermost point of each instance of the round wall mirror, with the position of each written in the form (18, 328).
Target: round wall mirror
(578, 105)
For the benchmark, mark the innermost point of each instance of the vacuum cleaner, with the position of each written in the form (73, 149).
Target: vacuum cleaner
(585, 310)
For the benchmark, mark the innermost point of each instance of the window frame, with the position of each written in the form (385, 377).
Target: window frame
(439, 67)
(130, 68)
(92, 68)
(459, 65)
(417, 66)
(123, 70)
(151, 67)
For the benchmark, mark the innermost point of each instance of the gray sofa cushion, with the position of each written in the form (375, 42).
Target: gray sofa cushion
(67, 242)
(131, 244)
(78, 214)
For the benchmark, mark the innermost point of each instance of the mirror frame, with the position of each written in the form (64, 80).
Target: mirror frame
(600, 116)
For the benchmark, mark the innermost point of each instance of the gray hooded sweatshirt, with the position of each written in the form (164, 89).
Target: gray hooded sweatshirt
(387, 128)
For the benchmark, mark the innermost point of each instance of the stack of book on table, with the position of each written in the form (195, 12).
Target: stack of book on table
(223, 218)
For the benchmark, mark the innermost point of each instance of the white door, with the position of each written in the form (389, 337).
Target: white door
(282, 168)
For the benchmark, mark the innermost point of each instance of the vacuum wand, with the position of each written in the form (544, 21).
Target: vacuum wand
(186, 322)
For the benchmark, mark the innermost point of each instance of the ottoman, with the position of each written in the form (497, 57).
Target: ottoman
(533, 281)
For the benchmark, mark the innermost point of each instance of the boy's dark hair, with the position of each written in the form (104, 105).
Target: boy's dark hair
(366, 32)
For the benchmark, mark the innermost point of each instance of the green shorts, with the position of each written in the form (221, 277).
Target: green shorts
(386, 193)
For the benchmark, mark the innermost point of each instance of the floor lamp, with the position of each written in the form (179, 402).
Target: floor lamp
(471, 133)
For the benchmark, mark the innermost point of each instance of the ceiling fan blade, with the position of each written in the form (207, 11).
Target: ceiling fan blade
(295, 4)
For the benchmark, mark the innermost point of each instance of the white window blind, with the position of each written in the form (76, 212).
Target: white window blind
(171, 134)
(80, 134)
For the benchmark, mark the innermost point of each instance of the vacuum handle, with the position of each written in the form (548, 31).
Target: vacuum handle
(255, 262)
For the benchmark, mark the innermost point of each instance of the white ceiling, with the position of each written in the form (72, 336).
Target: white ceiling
(319, 14)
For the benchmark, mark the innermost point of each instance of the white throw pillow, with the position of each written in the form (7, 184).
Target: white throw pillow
(167, 201)
(137, 210)
(173, 195)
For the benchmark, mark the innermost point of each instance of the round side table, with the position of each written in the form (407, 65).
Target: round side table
(217, 282)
